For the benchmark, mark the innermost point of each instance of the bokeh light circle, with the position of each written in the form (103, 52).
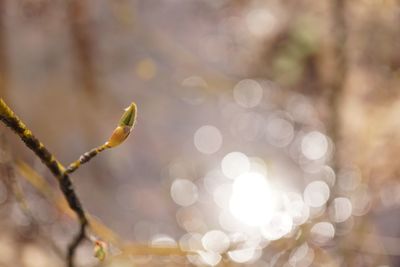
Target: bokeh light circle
(215, 241)
(208, 139)
(322, 232)
(235, 164)
(316, 194)
(248, 93)
(314, 145)
(184, 192)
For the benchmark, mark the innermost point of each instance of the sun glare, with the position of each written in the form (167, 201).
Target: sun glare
(252, 201)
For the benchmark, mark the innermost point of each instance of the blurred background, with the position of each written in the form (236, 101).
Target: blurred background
(267, 131)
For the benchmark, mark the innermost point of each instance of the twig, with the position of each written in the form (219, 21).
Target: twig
(85, 158)
(120, 133)
(8, 117)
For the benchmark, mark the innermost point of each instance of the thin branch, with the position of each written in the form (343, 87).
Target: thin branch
(75, 242)
(85, 158)
(119, 134)
(8, 117)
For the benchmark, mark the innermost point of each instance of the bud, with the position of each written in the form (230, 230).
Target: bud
(129, 116)
(124, 127)
(100, 248)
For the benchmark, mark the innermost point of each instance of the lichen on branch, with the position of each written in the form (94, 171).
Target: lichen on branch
(8, 117)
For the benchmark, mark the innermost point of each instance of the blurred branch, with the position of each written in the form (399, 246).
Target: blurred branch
(98, 228)
(3, 52)
(337, 82)
(45, 189)
(143, 249)
(78, 20)
(22, 203)
(8, 117)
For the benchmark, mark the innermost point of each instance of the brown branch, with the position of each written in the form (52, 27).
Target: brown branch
(3, 52)
(78, 18)
(337, 82)
(85, 158)
(119, 134)
(8, 117)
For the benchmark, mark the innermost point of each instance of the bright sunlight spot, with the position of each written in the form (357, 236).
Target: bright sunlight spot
(252, 201)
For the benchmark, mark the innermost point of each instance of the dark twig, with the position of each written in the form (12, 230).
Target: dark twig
(75, 243)
(8, 117)
(119, 134)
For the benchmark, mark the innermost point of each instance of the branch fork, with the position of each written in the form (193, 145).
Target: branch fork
(126, 123)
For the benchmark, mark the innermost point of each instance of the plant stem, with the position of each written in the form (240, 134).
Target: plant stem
(85, 158)
(8, 117)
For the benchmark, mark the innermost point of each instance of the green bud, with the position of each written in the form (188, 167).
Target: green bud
(129, 116)
(124, 127)
(100, 250)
